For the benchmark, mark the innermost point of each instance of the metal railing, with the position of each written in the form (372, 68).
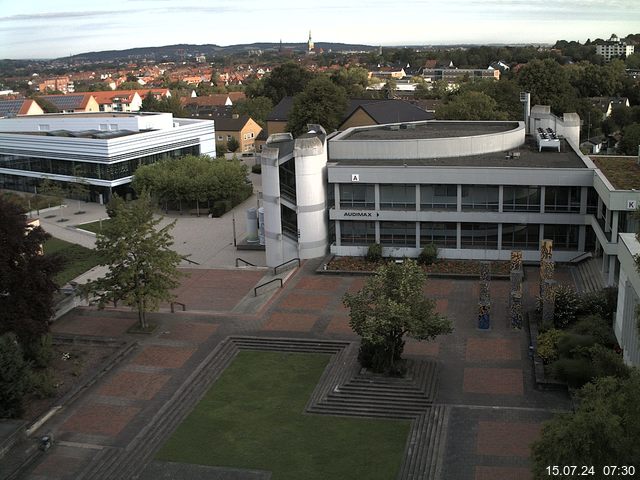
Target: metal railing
(244, 261)
(255, 290)
(581, 257)
(187, 259)
(173, 304)
(275, 269)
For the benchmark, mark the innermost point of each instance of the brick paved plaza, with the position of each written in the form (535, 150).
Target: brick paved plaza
(485, 376)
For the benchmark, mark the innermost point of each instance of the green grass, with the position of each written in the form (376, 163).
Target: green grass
(93, 226)
(253, 418)
(77, 259)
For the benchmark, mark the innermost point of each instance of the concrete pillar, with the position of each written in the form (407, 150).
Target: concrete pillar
(338, 234)
(611, 278)
(417, 234)
(614, 226)
(582, 235)
(499, 236)
(500, 198)
(458, 234)
(336, 195)
(543, 190)
(376, 195)
(377, 232)
(417, 198)
(459, 206)
(584, 192)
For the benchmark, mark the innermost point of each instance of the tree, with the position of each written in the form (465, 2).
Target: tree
(603, 430)
(143, 269)
(233, 145)
(389, 307)
(257, 108)
(630, 141)
(130, 86)
(470, 105)
(354, 80)
(322, 102)
(285, 80)
(548, 83)
(13, 377)
(26, 276)
(150, 103)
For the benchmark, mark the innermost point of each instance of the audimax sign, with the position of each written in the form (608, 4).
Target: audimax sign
(361, 214)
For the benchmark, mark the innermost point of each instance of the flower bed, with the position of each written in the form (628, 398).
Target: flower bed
(441, 267)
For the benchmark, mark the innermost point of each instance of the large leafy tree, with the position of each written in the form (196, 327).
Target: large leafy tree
(548, 83)
(285, 80)
(143, 269)
(354, 80)
(322, 102)
(26, 276)
(13, 377)
(470, 105)
(257, 108)
(390, 306)
(604, 430)
(630, 141)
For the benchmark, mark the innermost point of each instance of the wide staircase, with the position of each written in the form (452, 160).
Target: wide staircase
(587, 276)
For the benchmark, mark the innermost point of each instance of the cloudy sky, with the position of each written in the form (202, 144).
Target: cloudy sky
(45, 29)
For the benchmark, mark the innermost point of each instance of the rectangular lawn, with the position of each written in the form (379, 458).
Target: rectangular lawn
(253, 417)
(94, 227)
(77, 259)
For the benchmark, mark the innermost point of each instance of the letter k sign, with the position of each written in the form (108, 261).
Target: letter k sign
(355, 177)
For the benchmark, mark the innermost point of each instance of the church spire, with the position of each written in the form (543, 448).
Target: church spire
(310, 43)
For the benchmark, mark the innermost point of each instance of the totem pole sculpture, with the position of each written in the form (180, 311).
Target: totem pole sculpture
(515, 298)
(484, 304)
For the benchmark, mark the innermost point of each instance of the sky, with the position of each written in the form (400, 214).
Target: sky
(46, 29)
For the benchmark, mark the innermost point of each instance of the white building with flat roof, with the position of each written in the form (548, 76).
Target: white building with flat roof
(102, 149)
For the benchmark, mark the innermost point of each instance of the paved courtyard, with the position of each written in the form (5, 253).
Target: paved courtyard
(485, 377)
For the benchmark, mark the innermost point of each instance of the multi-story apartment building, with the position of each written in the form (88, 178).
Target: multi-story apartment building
(60, 84)
(103, 150)
(456, 74)
(614, 48)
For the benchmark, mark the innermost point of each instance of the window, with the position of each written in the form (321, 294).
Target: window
(592, 201)
(479, 235)
(398, 197)
(440, 234)
(520, 236)
(521, 199)
(354, 196)
(562, 199)
(565, 237)
(398, 234)
(220, 137)
(480, 197)
(438, 197)
(287, 173)
(289, 220)
(228, 137)
(357, 233)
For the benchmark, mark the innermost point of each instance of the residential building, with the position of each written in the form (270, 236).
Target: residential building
(211, 105)
(614, 48)
(60, 84)
(73, 102)
(456, 74)
(607, 104)
(24, 106)
(102, 149)
(243, 128)
(119, 100)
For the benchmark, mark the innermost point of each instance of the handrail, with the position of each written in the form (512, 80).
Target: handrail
(189, 260)
(184, 307)
(238, 259)
(255, 290)
(581, 257)
(275, 269)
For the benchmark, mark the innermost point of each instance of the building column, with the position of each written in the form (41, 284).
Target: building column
(582, 236)
(541, 235)
(417, 234)
(417, 198)
(376, 196)
(459, 203)
(500, 198)
(612, 271)
(499, 236)
(458, 232)
(336, 195)
(614, 226)
(543, 191)
(338, 233)
(584, 193)
(377, 232)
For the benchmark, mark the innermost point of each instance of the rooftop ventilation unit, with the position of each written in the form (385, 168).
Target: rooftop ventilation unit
(547, 139)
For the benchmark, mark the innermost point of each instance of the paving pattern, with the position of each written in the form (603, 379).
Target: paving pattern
(477, 424)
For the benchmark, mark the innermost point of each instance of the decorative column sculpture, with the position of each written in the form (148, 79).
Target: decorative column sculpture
(515, 297)
(484, 304)
(546, 263)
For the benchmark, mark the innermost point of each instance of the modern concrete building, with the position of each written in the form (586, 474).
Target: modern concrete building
(101, 149)
(477, 190)
(626, 322)
(614, 48)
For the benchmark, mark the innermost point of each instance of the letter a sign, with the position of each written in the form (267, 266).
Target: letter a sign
(355, 177)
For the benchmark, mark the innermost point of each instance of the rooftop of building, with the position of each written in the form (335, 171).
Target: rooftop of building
(525, 156)
(622, 172)
(428, 130)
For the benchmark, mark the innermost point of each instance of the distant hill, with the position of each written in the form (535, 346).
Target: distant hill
(188, 50)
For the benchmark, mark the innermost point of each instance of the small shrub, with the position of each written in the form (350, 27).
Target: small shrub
(41, 383)
(220, 207)
(548, 345)
(566, 308)
(596, 327)
(428, 255)
(602, 303)
(374, 253)
(574, 371)
(256, 168)
(40, 352)
(607, 363)
(571, 345)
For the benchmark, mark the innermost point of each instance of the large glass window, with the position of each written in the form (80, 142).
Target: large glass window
(521, 199)
(287, 173)
(562, 199)
(357, 196)
(398, 234)
(438, 197)
(479, 235)
(357, 233)
(520, 236)
(441, 234)
(398, 196)
(565, 237)
(592, 201)
(480, 197)
(289, 220)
